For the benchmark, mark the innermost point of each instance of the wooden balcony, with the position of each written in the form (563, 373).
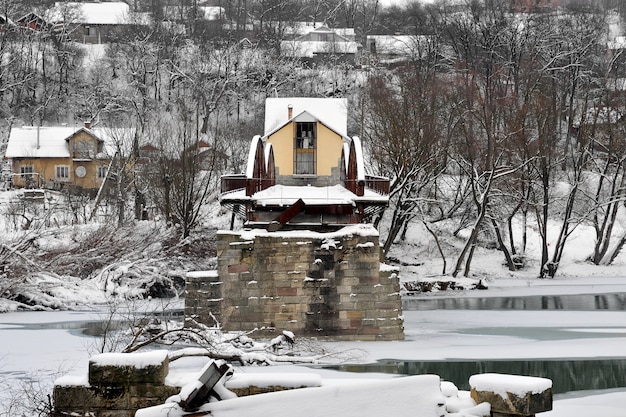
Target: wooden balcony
(233, 183)
(377, 184)
(240, 182)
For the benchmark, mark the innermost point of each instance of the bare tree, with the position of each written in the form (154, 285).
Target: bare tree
(405, 136)
(566, 94)
(605, 190)
(487, 45)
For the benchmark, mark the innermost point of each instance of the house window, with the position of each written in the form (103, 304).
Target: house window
(26, 172)
(305, 149)
(102, 172)
(84, 150)
(62, 172)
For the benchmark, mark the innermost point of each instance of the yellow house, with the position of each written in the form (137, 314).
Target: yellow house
(59, 157)
(305, 171)
(307, 136)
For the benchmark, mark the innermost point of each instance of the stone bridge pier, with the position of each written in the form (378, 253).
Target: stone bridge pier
(327, 285)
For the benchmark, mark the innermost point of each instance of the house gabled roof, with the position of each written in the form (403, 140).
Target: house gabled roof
(32, 18)
(302, 28)
(52, 142)
(303, 117)
(108, 13)
(149, 147)
(323, 30)
(332, 112)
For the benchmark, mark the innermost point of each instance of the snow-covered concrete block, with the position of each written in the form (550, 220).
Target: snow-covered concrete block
(124, 369)
(512, 395)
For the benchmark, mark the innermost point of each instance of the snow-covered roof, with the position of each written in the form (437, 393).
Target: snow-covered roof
(396, 44)
(108, 13)
(287, 195)
(4, 19)
(325, 31)
(360, 164)
(51, 142)
(302, 28)
(333, 112)
(212, 12)
(284, 195)
(252, 156)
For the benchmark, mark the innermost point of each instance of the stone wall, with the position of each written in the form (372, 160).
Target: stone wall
(329, 285)
(117, 385)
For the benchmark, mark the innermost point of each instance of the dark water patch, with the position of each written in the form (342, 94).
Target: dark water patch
(544, 334)
(96, 327)
(576, 302)
(566, 375)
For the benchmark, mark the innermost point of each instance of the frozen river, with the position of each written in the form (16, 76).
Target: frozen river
(37, 347)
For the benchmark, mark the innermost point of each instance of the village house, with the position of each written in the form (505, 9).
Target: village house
(33, 22)
(321, 43)
(61, 157)
(92, 22)
(305, 170)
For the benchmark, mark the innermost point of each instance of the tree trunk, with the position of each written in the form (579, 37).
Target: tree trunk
(507, 255)
(443, 256)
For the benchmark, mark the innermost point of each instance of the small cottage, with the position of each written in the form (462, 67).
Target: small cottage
(92, 22)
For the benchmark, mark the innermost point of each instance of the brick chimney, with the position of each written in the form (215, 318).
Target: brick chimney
(87, 124)
(289, 112)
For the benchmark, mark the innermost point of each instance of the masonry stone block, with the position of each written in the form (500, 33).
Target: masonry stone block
(105, 369)
(512, 395)
(298, 283)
